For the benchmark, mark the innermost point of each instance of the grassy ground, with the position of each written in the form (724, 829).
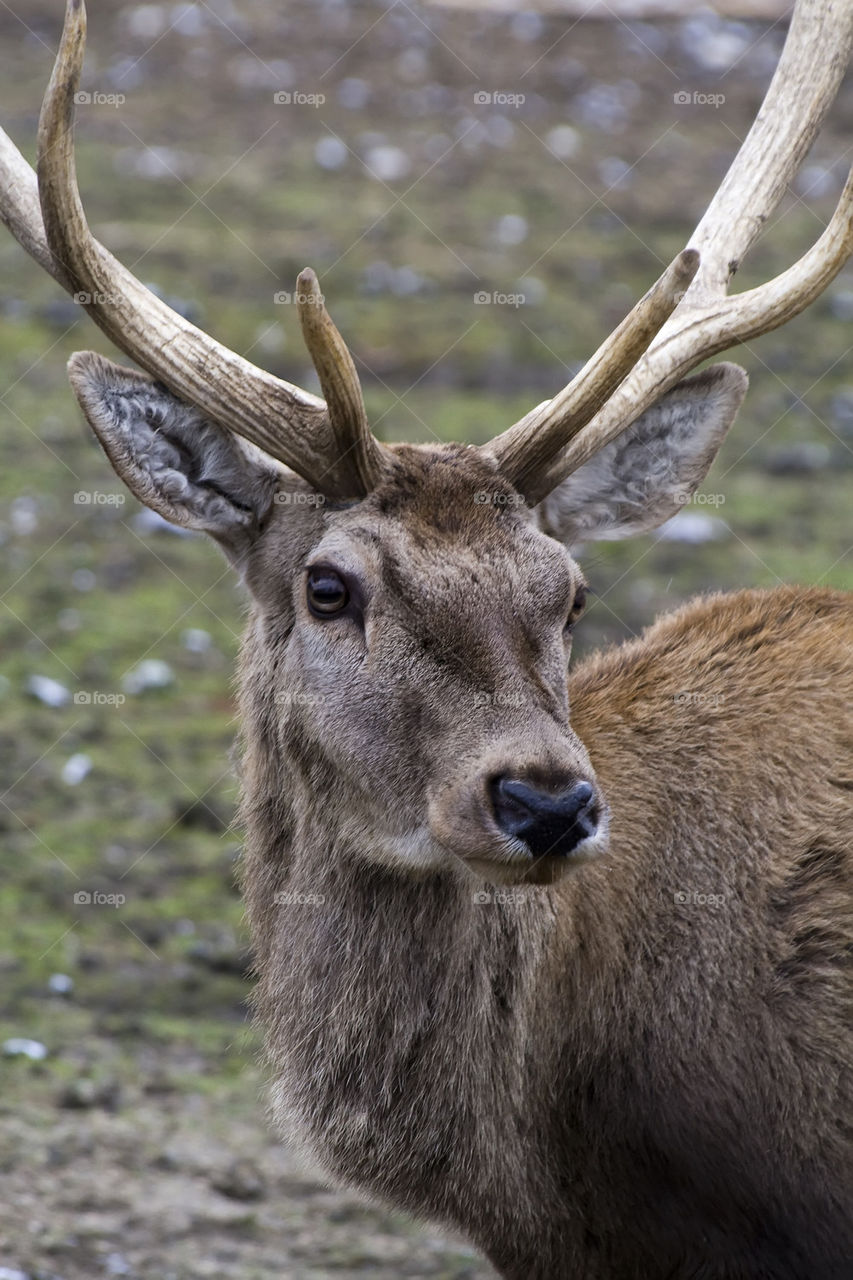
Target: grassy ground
(118, 1149)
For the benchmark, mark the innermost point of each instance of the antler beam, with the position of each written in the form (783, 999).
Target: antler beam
(706, 322)
(528, 447)
(288, 423)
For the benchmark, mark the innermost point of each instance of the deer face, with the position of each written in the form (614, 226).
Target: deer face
(409, 649)
(419, 641)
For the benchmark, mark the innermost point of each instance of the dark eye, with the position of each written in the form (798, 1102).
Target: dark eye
(326, 592)
(578, 606)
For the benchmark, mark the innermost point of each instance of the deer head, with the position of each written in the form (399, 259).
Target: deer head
(414, 605)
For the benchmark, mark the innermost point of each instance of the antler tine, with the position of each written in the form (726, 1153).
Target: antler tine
(714, 328)
(707, 322)
(340, 385)
(526, 449)
(288, 423)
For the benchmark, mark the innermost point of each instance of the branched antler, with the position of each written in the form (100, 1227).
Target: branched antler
(47, 218)
(707, 321)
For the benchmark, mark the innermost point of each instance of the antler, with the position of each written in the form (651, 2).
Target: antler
(585, 416)
(330, 445)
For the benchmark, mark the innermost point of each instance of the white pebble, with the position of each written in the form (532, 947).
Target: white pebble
(76, 768)
(48, 691)
(21, 1047)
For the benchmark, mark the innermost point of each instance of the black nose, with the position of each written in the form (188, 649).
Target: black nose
(547, 823)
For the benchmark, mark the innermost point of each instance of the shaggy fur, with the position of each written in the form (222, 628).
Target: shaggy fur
(633, 1064)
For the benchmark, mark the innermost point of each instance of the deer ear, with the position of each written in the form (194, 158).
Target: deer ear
(648, 473)
(189, 470)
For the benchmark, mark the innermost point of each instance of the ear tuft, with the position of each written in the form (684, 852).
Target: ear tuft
(191, 471)
(649, 472)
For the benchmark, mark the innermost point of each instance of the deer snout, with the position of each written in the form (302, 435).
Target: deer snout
(550, 824)
(516, 816)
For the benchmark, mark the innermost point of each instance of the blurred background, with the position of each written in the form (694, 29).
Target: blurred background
(484, 191)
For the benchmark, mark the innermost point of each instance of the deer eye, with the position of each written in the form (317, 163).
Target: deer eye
(578, 606)
(326, 592)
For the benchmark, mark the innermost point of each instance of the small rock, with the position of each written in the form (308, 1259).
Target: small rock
(692, 528)
(12, 1273)
(330, 153)
(59, 984)
(387, 164)
(21, 1047)
(76, 768)
(83, 580)
(23, 516)
(151, 673)
(564, 141)
(240, 1181)
(196, 640)
(353, 94)
(512, 229)
(48, 691)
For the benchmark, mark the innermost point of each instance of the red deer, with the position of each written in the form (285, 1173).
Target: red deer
(504, 1011)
